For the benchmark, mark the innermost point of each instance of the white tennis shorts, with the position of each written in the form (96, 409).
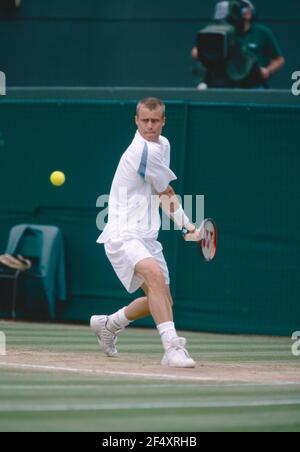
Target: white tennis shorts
(124, 255)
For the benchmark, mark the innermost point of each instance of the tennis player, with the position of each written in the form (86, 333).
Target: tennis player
(140, 186)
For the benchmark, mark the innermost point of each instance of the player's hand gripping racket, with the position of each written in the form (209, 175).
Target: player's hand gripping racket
(205, 237)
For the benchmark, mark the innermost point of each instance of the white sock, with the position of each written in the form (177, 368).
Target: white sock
(167, 333)
(117, 321)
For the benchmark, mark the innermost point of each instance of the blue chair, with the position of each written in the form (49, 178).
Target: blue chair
(45, 283)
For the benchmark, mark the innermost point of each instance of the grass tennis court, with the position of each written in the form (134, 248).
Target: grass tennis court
(54, 378)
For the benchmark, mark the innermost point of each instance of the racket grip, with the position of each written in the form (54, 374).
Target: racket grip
(184, 232)
(194, 236)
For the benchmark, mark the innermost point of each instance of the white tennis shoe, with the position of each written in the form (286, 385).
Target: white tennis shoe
(177, 355)
(107, 340)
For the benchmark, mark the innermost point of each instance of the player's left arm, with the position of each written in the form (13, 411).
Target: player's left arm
(171, 206)
(159, 175)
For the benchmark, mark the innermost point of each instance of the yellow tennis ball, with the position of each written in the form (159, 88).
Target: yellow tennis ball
(57, 178)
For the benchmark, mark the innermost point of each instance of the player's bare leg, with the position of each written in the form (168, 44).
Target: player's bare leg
(160, 305)
(139, 308)
(158, 302)
(158, 296)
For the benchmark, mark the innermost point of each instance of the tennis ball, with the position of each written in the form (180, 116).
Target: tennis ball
(57, 178)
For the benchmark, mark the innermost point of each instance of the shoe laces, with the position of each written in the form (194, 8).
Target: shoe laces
(112, 333)
(109, 335)
(178, 342)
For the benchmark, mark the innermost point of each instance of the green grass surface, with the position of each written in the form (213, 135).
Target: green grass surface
(75, 395)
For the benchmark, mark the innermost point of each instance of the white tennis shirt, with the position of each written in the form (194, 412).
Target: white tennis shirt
(133, 207)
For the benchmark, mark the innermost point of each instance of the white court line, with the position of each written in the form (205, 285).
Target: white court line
(26, 408)
(159, 376)
(85, 387)
(124, 386)
(108, 372)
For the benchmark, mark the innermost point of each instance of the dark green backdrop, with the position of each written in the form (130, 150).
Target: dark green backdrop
(244, 158)
(122, 42)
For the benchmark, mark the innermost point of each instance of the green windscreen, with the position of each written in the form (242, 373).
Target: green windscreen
(244, 158)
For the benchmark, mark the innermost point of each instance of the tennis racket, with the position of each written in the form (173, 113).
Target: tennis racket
(207, 243)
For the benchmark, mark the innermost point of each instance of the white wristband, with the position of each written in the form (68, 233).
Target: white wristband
(179, 217)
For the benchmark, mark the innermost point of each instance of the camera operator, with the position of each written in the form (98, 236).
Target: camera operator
(262, 42)
(253, 57)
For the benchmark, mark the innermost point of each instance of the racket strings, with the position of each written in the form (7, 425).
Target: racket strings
(209, 241)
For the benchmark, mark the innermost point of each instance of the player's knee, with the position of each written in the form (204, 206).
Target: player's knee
(152, 274)
(155, 279)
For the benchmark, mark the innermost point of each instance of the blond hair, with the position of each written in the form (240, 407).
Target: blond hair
(152, 103)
